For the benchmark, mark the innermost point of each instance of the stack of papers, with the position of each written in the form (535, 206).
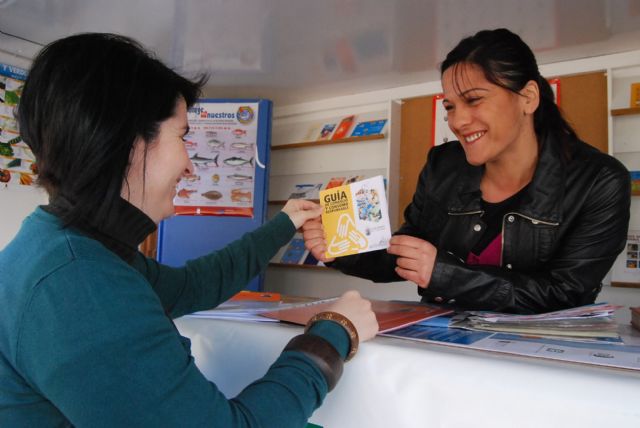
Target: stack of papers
(585, 323)
(239, 311)
(635, 318)
(244, 306)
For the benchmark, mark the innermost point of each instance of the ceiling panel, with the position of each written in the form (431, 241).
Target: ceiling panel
(300, 50)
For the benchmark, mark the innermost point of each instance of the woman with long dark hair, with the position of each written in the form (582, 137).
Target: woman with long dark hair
(519, 215)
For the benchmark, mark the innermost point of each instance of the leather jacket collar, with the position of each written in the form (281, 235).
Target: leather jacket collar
(544, 196)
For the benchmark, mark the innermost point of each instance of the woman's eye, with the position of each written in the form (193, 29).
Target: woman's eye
(448, 107)
(473, 100)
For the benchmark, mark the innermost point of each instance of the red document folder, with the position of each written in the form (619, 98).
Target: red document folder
(390, 315)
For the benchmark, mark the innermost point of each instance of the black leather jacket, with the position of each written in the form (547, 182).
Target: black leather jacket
(558, 244)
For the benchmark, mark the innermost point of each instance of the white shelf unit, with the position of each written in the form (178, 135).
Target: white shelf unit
(624, 130)
(318, 163)
(624, 141)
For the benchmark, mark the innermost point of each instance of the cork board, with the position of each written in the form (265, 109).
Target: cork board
(416, 138)
(583, 101)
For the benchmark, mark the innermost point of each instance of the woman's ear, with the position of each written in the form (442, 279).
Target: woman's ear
(530, 97)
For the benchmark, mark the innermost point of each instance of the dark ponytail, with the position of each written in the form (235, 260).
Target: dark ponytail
(508, 62)
(548, 117)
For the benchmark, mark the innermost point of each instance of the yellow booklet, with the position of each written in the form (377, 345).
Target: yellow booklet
(356, 217)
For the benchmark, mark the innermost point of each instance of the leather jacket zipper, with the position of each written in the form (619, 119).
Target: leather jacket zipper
(531, 219)
(468, 213)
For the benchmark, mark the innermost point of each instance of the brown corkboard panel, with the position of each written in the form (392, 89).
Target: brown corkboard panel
(583, 101)
(416, 138)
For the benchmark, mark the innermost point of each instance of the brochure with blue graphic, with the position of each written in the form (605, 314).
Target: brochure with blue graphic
(370, 127)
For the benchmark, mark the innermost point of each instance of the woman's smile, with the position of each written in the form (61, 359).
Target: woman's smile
(473, 137)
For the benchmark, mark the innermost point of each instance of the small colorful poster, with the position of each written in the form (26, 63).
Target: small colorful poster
(356, 217)
(17, 162)
(221, 144)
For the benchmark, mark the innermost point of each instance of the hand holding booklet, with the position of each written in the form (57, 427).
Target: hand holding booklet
(356, 217)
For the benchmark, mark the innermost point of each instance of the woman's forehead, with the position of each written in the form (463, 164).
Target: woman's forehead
(461, 78)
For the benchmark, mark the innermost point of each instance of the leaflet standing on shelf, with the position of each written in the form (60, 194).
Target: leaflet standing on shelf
(305, 191)
(343, 128)
(356, 217)
(369, 127)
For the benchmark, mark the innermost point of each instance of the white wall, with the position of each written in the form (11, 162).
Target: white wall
(326, 283)
(15, 205)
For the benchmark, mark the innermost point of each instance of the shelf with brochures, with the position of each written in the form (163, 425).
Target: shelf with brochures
(307, 186)
(329, 142)
(624, 115)
(284, 201)
(625, 126)
(625, 111)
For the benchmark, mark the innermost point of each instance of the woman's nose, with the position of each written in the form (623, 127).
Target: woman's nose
(459, 118)
(188, 169)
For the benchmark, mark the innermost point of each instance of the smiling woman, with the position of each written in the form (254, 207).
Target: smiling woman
(88, 339)
(155, 170)
(519, 215)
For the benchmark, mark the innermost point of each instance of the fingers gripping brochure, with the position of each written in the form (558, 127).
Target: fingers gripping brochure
(356, 217)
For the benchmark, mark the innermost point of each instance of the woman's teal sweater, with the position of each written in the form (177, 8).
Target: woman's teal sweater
(85, 339)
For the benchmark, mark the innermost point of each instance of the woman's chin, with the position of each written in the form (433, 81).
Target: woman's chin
(475, 160)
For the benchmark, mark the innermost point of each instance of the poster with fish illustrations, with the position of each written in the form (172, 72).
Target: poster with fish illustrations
(356, 217)
(221, 144)
(17, 162)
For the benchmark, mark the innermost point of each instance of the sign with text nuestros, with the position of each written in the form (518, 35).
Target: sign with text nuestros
(221, 144)
(356, 217)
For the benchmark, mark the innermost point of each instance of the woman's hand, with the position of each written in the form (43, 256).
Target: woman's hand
(300, 210)
(314, 239)
(358, 311)
(416, 258)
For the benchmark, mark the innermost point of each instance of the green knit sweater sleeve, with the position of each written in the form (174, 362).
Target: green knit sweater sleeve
(96, 343)
(207, 281)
